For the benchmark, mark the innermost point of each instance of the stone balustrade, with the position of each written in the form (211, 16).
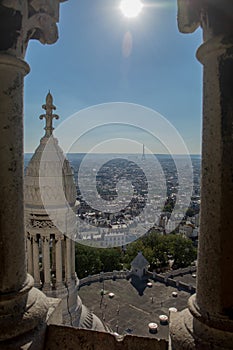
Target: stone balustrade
(166, 278)
(103, 276)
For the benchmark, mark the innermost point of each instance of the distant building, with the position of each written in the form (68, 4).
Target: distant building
(186, 230)
(114, 239)
(139, 265)
(195, 233)
(197, 220)
(171, 225)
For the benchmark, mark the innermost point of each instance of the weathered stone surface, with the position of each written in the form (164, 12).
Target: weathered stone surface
(12, 257)
(34, 338)
(62, 338)
(23, 309)
(214, 17)
(188, 15)
(208, 322)
(185, 336)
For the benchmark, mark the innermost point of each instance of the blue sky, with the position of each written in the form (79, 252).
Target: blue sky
(102, 56)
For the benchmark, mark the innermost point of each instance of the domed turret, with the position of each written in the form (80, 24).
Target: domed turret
(50, 189)
(50, 197)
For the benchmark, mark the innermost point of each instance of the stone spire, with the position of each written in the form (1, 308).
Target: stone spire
(49, 108)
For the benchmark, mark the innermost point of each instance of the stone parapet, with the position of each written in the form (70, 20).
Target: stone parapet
(103, 276)
(60, 338)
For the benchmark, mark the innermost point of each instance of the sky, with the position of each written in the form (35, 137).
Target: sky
(103, 57)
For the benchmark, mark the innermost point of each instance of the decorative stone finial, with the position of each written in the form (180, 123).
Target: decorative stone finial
(49, 107)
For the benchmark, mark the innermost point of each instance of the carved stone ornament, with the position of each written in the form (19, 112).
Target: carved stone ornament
(214, 17)
(22, 20)
(188, 15)
(42, 224)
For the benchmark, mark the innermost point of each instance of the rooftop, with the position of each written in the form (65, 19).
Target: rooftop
(134, 304)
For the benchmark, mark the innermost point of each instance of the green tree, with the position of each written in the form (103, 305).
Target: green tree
(156, 248)
(87, 260)
(183, 252)
(110, 259)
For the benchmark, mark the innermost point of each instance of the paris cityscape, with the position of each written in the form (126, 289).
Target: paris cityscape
(168, 244)
(150, 205)
(159, 197)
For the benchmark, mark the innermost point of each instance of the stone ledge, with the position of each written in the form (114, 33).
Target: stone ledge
(187, 333)
(34, 339)
(64, 337)
(54, 315)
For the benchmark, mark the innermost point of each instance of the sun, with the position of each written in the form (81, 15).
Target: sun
(131, 8)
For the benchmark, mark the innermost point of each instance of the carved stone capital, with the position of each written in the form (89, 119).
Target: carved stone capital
(214, 17)
(21, 21)
(188, 15)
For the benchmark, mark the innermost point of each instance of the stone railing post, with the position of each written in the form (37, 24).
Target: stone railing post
(73, 273)
(68, 259)
(22, 307)
(208, 321)
(29, 255)
(46, 263)
(36, 269)
(58, 262)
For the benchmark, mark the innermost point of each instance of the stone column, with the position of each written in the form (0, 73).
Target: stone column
(36, 270)
(22, 307)
(29, 255)
(12, 257)
(53, 255)
(73, 273)
(208, 321)
(58, 262)
(46, 264)
(64, 265)
(68, 259)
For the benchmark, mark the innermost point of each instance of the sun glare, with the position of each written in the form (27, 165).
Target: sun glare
(131, 8)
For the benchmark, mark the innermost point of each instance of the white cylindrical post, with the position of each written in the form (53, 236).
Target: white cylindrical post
(46, 263)
(58, 262)
(68, 259)
(73, 274)
(29, 255)
(36, 270)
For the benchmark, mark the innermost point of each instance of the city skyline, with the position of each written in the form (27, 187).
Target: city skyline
(103, 57)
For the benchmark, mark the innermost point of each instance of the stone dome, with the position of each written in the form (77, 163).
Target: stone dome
(49, 178)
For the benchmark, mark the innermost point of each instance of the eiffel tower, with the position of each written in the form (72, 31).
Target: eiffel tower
(143, 152)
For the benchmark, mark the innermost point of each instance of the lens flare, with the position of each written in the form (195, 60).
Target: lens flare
(127, 192)
(131, 8)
